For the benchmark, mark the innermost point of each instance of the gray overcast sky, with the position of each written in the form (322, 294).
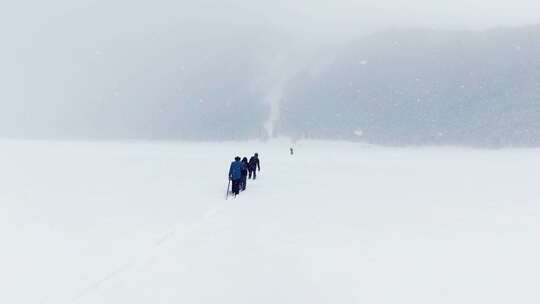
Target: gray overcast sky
(314, 16)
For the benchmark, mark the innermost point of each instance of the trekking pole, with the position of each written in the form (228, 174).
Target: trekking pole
(228, 186)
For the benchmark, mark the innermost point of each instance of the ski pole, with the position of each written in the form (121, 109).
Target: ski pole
(228, 186)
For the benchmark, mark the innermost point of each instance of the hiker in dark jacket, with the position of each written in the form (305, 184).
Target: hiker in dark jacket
(235, 175)
(254, 166)
(245, 169)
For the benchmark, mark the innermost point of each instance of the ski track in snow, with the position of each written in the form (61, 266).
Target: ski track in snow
(168, 237)
(335, 223)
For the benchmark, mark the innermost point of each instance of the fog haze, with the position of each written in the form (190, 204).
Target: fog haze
(209, 70)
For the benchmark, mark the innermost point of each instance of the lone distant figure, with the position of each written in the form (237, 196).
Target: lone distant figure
(235, 175)
(254, 166)
(292, 151)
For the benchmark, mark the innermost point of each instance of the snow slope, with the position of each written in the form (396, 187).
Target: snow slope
(335, 223)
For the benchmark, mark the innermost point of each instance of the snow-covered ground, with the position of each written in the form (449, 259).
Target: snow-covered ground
(335, 223)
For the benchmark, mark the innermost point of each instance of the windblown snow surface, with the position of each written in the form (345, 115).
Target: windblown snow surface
(335, 223)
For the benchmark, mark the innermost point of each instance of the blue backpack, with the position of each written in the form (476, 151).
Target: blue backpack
(235, 172)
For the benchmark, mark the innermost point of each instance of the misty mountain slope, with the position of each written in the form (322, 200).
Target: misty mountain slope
(337, 222)
(423, 87)
(166, 72)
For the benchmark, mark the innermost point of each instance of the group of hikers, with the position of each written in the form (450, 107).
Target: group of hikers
(241, 170)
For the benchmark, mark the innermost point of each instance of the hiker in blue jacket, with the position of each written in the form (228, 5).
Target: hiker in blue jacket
(235, 175)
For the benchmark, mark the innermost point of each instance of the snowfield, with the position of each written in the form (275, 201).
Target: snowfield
(140, 223)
